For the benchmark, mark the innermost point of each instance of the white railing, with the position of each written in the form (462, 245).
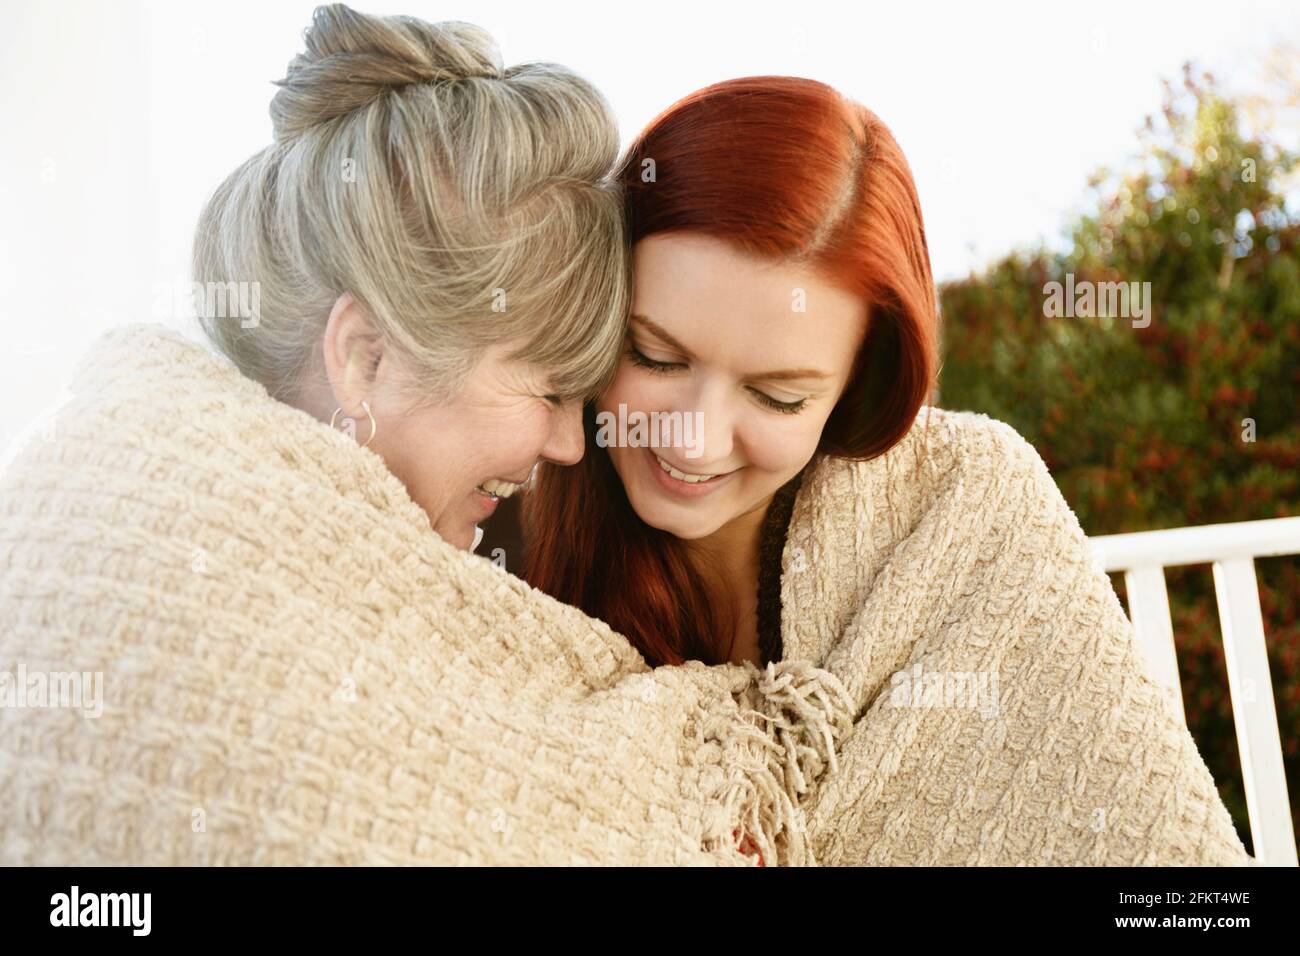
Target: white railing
(1231, 549)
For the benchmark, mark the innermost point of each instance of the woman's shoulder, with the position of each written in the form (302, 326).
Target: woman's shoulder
(941, 443)
(987, 442)
(136, 356)
(949, 465)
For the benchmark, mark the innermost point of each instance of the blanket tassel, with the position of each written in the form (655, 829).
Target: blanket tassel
(778, 752)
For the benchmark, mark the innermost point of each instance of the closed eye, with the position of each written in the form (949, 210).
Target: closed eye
(785, 408)
(640, 358)
(654, 365)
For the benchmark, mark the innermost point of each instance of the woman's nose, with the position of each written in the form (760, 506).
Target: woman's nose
(717, 424)
(565, 444)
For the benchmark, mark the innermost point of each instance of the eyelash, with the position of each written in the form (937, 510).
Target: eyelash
(785, 408)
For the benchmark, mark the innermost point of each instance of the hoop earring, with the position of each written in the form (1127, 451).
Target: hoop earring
(373, 426)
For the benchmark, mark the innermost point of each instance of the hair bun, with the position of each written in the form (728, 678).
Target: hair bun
(352, 58)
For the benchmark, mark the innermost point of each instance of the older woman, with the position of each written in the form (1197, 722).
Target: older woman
(259, 553)
(439, 256)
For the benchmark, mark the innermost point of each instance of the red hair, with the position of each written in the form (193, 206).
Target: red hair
(788, 169)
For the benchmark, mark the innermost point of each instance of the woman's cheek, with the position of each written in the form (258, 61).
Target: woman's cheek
(776, 443)
(623, 390)
(639, 391)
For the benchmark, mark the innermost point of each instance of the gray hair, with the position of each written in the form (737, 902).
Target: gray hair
(460, 202)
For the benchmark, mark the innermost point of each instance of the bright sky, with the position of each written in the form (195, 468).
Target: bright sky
(121, 116)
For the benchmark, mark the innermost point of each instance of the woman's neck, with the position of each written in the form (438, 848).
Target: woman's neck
(728, 559)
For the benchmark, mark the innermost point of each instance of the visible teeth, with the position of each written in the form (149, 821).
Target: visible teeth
(498, 488)
(681, 475)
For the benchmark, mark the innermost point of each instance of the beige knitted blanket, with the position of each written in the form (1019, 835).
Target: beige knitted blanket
(290, 667)
(1004, 714)
(296, 669)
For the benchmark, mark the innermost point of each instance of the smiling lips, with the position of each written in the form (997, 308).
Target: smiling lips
(684, 484)
(683, 475)
(496, 488)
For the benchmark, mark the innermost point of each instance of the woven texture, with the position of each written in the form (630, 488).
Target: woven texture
(298, 670)
(1004, 714)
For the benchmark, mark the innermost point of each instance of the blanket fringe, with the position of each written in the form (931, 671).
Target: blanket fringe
(777, 753)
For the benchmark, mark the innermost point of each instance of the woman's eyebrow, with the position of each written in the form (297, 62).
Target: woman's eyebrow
(662, 333)
(779, 375)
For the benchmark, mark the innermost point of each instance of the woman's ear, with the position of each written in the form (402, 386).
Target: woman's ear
(352, 350)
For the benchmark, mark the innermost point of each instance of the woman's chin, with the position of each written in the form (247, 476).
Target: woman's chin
(463, 534)
(470, 539)
(668, 517)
